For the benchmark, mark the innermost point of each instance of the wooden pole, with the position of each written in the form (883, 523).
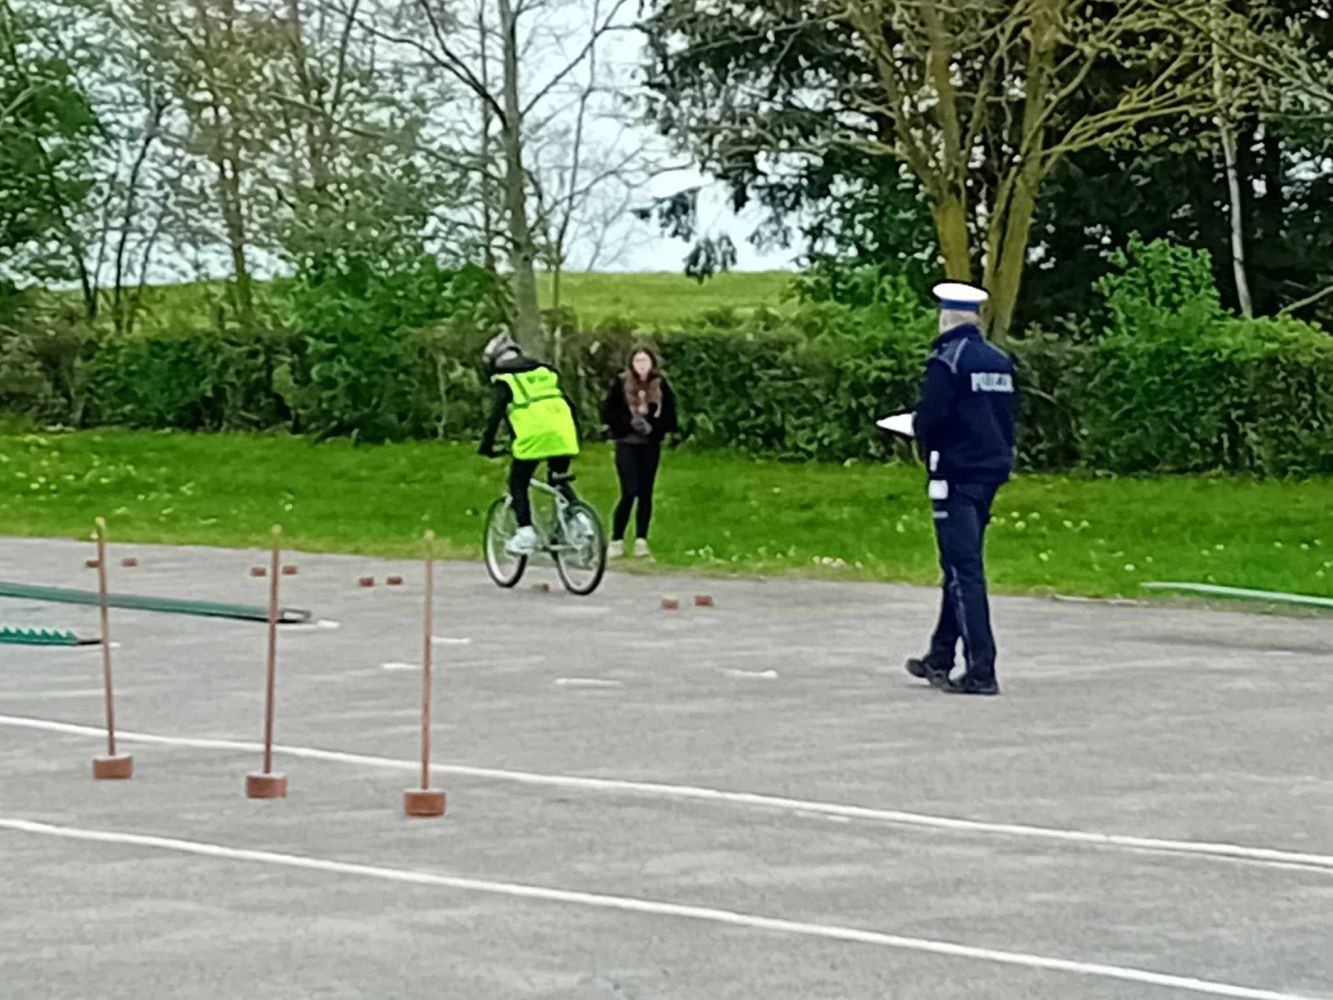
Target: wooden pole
(426, 801)
(112, 766)
(274, 572)
(106, 637)
(266, 784)
(426, 662)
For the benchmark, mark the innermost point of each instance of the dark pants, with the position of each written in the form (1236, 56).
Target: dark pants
(637, 466)
(520, 477)
(960, 529)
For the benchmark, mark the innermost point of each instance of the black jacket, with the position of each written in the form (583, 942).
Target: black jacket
(618, 421)
(503, 397)
(969, 405)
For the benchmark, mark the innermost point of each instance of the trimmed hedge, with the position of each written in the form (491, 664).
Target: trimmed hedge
(1194, 395)
(1249, 396)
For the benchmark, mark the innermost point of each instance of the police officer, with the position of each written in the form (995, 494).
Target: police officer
(544, 425)
(964, 426)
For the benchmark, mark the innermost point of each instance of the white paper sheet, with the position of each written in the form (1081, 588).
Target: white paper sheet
(899, 423)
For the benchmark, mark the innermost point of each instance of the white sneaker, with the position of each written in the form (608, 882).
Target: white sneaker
(615, 550)
(641, 549)
(524, 542)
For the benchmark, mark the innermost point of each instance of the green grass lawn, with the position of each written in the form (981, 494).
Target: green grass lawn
(1094, 537)
(650, 302)
(663, 301)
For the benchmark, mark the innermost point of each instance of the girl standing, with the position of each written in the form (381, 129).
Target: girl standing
(638, 413)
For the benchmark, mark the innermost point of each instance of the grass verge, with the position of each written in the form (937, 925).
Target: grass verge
(716, 512)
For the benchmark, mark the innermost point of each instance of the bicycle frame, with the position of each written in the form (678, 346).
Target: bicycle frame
(548, 543)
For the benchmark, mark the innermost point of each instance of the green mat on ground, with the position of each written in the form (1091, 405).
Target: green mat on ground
(11, 636)
(164, 605)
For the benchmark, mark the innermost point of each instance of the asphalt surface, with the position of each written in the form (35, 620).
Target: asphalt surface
(838, 862)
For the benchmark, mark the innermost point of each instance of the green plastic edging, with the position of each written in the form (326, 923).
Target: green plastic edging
(163, 605)
(1309, 600)
(37, 637)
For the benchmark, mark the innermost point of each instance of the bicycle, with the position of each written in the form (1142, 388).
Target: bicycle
(575, 541)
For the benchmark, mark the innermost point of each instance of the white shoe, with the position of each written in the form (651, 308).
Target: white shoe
(524, 542)
(615, 550)
(641, 549)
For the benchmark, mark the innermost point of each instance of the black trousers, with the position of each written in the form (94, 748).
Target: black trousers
(520, 477)
(960, 529)
(636, 464)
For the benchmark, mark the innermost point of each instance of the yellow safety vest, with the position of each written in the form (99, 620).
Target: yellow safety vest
(541, 420)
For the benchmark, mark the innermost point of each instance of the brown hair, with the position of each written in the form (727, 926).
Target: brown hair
(648, 390)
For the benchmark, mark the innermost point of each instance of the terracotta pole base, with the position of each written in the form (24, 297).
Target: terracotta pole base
(265, 786)
(116, 768)
(423, 802)
(704, 601)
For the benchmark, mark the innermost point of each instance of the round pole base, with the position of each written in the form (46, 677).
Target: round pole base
(423, 802)
(116, 768)
(265, 786)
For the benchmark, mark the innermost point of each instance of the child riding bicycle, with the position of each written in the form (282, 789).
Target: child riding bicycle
(543, 423)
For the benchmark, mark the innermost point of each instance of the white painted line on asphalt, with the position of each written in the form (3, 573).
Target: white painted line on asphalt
(766, 675)
(400, 666)
(1267, 857)
(444, 640)
(587, 682)
(323, 625)
(656, 908)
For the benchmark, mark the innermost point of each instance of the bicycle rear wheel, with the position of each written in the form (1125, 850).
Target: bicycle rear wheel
(581, 558)
(505, 568)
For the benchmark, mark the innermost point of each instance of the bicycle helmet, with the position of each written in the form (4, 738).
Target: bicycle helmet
(499, 347)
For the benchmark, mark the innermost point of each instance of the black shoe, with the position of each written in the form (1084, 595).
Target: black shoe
(967, 684)
(936, 676)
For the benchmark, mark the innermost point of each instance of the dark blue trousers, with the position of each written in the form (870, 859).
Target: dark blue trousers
(960, 529)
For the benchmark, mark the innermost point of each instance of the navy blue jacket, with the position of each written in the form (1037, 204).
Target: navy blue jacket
(969, 403)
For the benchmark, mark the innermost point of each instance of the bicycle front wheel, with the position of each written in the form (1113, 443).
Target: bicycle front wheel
(581, 560)
(505, 568)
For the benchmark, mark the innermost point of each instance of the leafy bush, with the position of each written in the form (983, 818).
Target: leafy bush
(357, 371)
(1173, 385)
(1177, 385)
(44, 349)
(1155, 282)
(1253, 396)
(199, 382)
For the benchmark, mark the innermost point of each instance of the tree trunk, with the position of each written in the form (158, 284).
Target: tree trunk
(229, 195)
(1010, 222)
(152, 123)
(1237, 215)
(950, 213)
(1011, 231)
(487, 124)
(527, 324)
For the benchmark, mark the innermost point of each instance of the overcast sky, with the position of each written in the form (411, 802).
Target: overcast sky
(636, 245)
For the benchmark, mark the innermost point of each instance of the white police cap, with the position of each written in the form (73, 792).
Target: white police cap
(959, 296)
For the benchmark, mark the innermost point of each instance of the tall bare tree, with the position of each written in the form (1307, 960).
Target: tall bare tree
(213, 56)
(516, 61)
